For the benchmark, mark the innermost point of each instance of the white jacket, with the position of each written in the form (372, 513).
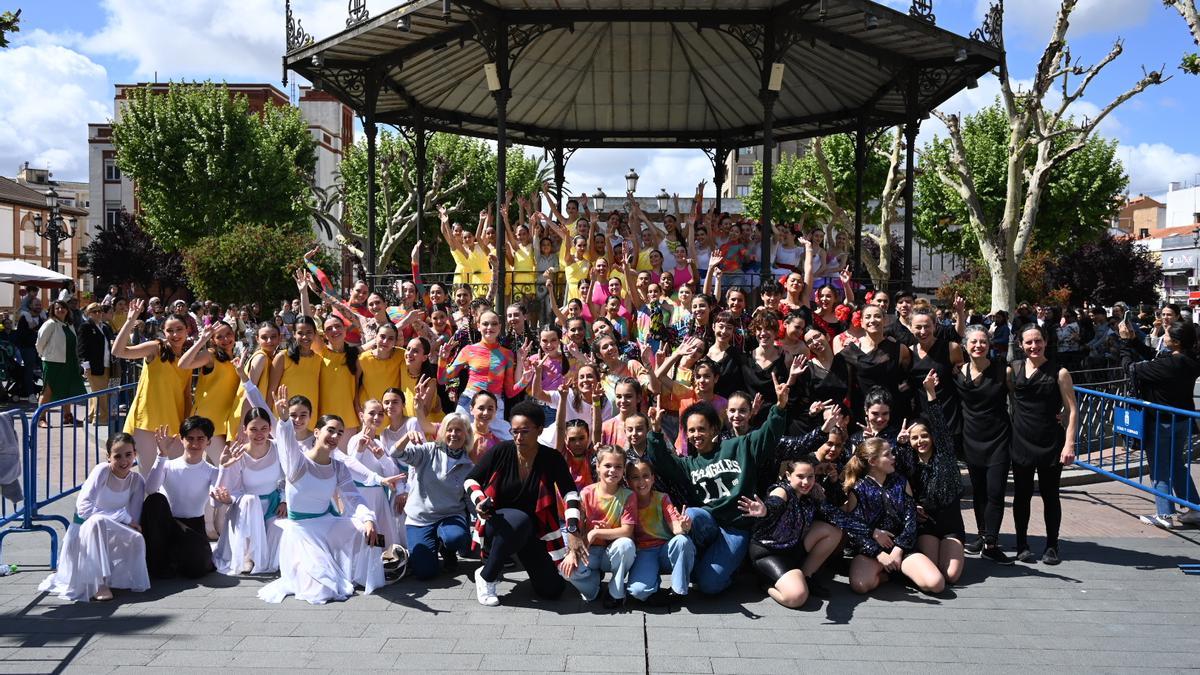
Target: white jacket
(51, 342)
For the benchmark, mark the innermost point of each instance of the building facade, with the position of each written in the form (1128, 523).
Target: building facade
(740, 165)
(18, 206)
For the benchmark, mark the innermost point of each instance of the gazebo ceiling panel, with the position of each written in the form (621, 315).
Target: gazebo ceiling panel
(662, 72)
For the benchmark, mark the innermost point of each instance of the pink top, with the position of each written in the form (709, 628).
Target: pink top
(491, 369)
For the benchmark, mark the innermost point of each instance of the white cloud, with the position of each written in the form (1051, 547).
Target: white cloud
(673, 170)
(1151, 166)
(48, 95)
(1028, 22)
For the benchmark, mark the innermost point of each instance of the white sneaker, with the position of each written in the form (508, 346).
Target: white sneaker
(1190, 518)
(485, 591)
(1158, 520)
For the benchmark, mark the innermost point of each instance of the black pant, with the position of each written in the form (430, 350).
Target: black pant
(1048, 479)
(988, 484)
(174, 545)
(510, 532)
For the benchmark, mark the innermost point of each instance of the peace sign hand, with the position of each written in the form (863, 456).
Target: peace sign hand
(902, 437)
(281, 402)
(931, 383)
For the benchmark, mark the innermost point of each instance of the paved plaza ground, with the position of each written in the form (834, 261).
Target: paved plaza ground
(1116, 604)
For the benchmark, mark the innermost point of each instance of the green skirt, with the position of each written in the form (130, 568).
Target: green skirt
(64, 379)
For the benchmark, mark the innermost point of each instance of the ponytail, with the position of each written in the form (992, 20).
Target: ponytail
(860, 461)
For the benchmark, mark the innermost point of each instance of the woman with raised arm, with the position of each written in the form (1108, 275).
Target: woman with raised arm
(489, 367)
(164, 389)
(1043, 396)
(323, 555)
(103, 548)
(217, 387)
(250, 482)
(258, 370)
(368, 449)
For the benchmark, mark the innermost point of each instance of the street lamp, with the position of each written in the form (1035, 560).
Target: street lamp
(598, 200)
(55, 229)
(1196, 237)
(663, 198)
(631, 182)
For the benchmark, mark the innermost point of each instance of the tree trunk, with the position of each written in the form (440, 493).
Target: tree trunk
(1004, 283)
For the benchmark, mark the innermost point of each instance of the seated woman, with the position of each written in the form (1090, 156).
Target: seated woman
(250, 481)
(173, 515)
(367, 448)
(513, 488)
(436, 510)
(322, 554)
(104, 548)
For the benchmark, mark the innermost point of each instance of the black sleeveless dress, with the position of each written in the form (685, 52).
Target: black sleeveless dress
(1038, 435)
(937, 360)
(986, 430)
(880, 367)
(817, 384)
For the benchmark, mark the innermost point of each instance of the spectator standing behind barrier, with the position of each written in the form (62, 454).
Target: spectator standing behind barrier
(30, 319)
(56, 343)
(1166, 380)
(95, 351)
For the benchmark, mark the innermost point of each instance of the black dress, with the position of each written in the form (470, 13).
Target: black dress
(1038, 436)
(817, 384)
(879, 368)
(757, 380)
(986, 431)
(729, 372)
(937, 360)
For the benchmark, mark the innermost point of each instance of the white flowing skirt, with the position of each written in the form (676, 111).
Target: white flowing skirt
(249, 541)
(323, 559)
(100, 552)
(387, 522)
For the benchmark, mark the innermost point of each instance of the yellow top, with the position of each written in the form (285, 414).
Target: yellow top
(161, 393)
(480, 273)
(338, 388)
(574, 273)
(263, 384)
(408, 384)
(524, 271)
(304, 379)
(460, 267)
(216, 394)
(378, 374)
(118, 320)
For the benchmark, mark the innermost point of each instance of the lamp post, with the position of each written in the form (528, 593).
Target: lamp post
(598, 200)
(631, 179)
(54, 229)
(663, 198)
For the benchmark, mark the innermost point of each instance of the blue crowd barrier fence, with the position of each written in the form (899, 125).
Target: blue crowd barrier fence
(11, 511)
(57, 459)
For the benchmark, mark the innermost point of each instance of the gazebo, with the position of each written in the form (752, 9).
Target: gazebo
(709, 74)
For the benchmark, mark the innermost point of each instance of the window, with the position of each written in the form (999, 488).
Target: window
(112, 214)
(1144, 233)
(743, 190)
(745, 171)
(111, 173)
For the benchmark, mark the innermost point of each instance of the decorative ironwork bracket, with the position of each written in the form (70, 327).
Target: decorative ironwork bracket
(358, 13)
(296, 36)
(488, 23)
(992, 30)
(923, 10)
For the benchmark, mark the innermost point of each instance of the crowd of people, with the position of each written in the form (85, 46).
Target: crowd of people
(646, 406)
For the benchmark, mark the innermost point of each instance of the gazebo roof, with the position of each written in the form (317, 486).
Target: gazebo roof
(657, 73)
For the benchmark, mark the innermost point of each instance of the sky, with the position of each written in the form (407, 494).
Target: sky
(59, 72)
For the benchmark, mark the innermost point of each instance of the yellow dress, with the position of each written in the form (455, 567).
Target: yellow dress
(338, 388)
(408, 384)
(480, 273)
(216, 394)
(460, 267)
(161, 392)
(304, 379)
(263, 384)
(524, 272)
(378, 374)
(574, 273)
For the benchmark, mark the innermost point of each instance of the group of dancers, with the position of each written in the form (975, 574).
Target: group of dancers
(653, 430)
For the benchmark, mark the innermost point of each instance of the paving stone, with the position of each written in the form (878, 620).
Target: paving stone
(525, 663)
(680, 664)
(611, 663)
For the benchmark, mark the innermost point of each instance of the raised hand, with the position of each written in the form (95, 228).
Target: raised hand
(136, 307)
(781, 390)
(799, 365)
(443, 214)
(931, 383)
(163, 440)
(654, 414)
(300, 276)
(755, 508)
(960, 303)
(902, 437)
(281, 401)
(222, 495)
(233, 451)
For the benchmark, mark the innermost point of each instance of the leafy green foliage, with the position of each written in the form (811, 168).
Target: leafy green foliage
(1108, 270)
(249, 262)
(203, 162)
(9, 23)
(465, 158)
(126, 254)
(1080, 199)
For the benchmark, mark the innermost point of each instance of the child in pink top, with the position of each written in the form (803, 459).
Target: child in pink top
(662, 541)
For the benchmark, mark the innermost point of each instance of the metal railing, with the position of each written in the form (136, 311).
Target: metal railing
(10, 511)
(57, 462)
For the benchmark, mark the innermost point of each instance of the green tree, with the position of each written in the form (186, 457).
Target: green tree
(125, 254)
(10, 22)
(203, 163)
(818, 188)
(249, 262)
(1081, 194)
(460, 171)
(1040, 137)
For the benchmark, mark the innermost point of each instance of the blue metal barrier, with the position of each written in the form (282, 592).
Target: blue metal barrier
(20, 423)
(75, 451)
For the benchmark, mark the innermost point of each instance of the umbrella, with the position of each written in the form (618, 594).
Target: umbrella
(21, 272)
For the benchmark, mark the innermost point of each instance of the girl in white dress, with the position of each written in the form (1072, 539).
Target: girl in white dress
(322, 555)
(251, 482)
(104, 548)
(367, 447)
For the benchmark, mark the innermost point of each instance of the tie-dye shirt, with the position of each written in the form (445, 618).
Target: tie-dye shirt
(654, 521)
(604, 512)
(488, 368)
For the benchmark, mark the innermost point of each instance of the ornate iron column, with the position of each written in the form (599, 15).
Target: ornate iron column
(419, 140)
(560, 173)
(371, 130)
(860, 166)
(910, 140)
(720, 171)
(501, 95)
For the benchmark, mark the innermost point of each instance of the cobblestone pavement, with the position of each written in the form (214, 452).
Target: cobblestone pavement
(1117, 603)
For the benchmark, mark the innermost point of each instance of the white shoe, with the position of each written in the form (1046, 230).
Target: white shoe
(1158, 520)
(485, 591)
(1190, 518)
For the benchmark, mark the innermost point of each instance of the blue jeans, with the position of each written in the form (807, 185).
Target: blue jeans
(676, 556)
(423, 541)
(617, 558)
(1167, 445)
(720, 551)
